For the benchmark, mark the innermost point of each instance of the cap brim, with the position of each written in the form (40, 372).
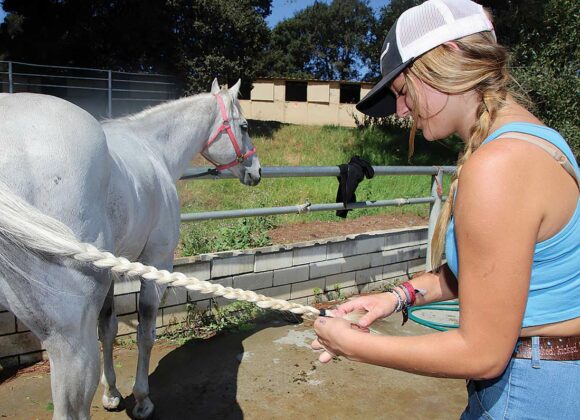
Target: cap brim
(380, 101)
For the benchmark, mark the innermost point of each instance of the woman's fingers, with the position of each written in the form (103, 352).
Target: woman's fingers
(326, 356)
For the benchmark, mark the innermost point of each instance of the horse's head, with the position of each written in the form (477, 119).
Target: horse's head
(230, 146)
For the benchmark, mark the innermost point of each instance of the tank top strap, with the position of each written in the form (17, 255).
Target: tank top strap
(546, 138)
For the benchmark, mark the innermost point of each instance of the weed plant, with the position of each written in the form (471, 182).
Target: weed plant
(203, 324)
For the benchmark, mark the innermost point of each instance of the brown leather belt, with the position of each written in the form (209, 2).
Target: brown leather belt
(551, 348)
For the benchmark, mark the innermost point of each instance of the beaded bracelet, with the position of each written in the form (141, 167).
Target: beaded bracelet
(400, 304)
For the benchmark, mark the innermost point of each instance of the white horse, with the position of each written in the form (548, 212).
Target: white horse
(113, 185)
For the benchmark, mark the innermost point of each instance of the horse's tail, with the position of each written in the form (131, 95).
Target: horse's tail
(23, 225)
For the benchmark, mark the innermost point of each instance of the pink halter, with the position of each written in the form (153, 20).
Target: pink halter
(240, 157)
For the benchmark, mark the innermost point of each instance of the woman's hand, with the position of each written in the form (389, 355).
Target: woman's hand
(376, 306)
(333, 334)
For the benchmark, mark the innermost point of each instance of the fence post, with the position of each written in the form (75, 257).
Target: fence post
(10, 80)
(434, 211)
(110, 95)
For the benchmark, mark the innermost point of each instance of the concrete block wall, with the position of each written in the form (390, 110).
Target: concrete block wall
(352, 264)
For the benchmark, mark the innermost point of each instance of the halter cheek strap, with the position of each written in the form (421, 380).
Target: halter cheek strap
(225, 126)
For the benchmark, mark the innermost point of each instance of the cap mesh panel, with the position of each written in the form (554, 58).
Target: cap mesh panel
(419, 22)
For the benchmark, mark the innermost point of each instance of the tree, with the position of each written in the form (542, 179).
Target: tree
(545, 55)
(218, 38)
(323, 41)
(197, 40)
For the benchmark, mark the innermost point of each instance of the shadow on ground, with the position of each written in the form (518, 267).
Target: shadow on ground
(200, 378)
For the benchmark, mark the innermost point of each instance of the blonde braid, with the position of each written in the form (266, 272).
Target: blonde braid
(478, 64)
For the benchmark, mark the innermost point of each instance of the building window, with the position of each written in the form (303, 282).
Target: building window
(296, 91)
(349, 93)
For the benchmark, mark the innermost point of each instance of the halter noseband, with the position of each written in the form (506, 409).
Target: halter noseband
(240, 157)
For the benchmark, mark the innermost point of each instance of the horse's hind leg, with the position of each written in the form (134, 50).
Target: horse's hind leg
(149, 299)
(73, 350)
(108, 327)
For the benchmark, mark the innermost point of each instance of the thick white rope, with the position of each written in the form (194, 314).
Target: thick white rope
(122, 265)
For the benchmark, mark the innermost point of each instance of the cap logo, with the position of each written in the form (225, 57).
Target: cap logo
(383, 54)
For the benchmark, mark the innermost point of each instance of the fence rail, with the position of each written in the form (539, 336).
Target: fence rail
(103, 93)
(435, 200)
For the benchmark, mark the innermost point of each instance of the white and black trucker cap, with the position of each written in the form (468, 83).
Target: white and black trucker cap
(418, 30)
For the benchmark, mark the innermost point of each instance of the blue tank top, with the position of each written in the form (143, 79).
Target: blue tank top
(555, 279)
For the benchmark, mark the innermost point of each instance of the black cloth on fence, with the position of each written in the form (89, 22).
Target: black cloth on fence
(351, 174)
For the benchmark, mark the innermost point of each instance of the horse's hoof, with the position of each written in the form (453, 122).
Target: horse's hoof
(112, 402)
(144, 409)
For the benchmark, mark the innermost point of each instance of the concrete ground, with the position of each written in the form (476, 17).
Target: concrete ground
(266, 373)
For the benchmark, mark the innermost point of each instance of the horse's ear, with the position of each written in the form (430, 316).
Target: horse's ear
(235, 89)
(215, 87)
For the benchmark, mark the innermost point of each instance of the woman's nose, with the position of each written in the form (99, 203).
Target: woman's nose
(402, 109)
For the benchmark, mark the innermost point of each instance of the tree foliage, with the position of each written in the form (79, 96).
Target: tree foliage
(323, 41)
(197, 40)
(545, 56)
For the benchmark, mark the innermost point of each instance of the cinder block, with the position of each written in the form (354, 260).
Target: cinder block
(128, 323)
(8, 362)
(21, 326)
(194, 296)
(254, 281)
(291, 275)
(340, 249)
(309, 254)
(199, 270)
(326, 268)
(349, 291)
(305, 288)
(406, 238)
(15, 344)
(127, 285)
(357, 262)
(174, 296)
(304, 300)
(396, 255)
(342, 279)
(403, 268)
(125, 304)
(222, 267)
(7, 323)
(369, 276)
(31, 358)
(369, 245)
(174, 315)
(278, 292)
(273, 261)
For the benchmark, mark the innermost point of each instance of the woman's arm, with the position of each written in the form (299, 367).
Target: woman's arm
(438, 287)
(498, 212)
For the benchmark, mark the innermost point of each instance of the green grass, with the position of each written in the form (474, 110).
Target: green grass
(291, 145)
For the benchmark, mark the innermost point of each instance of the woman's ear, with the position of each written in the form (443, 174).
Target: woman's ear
(453, 45)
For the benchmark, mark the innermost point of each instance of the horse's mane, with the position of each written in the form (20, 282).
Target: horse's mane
(174, 103)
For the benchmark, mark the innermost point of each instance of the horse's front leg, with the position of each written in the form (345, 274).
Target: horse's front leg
(149, 299)
(108, 326)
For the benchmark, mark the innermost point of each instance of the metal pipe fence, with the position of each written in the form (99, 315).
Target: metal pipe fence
(435, 199)
(103, 93)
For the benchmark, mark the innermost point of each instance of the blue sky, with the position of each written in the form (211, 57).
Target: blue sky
(283, 9)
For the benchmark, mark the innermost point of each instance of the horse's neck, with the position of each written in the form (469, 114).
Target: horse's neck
(175, 131)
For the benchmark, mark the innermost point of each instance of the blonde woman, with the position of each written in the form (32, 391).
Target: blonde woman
(510, 229)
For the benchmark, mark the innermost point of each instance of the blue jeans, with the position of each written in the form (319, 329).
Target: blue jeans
(527, 389)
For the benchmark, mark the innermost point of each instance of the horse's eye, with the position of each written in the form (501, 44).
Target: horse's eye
(244, 126)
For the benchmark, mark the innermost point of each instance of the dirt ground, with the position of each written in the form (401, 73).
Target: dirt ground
(269, 372)
(308, 231)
